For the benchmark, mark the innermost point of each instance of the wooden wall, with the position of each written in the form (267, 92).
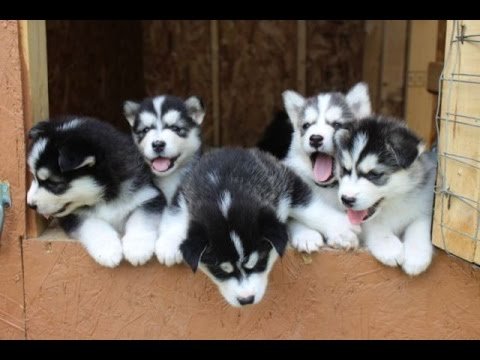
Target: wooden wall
(93, 66)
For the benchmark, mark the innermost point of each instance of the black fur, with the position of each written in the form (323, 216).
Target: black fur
(277, 136)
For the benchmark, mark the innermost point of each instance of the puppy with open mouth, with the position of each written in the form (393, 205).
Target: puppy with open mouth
(386, 183)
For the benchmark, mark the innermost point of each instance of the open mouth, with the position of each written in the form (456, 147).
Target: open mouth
(357, 217)
(163, 164)
(322, 165)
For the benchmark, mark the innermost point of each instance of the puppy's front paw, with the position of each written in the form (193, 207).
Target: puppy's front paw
(346, 239)
(388, 250)
(417, 260)
(138, 247)
(307, 240)
(168, 251)
(106, 251)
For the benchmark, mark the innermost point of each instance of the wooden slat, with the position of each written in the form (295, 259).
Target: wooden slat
(215, 83)
(419, 112)
(33, 49)
(372, 59)
(393, 68)
(301, 56)
(456, 222)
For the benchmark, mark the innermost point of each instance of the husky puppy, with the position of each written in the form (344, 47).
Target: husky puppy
(91, 177)
(311, 156)
(386, 185)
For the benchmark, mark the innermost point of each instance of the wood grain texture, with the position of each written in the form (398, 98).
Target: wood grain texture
(12, 170)
(257, 63)
(372, 59)
(337, 295)
(334, 54)
(93, 67)
(177, 60)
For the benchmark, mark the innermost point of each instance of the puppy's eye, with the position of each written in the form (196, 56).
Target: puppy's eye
(145, 130)
(306, 126)
(373, 175)
(345, 171)
(336, 125)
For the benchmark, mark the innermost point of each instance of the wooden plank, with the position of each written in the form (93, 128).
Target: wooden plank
(335, 54)
(70, 297)
(433, 75)
(12, 170)
(177, 59)
(33, 43)
(301, 56)
(393, 68)
(419, 102)
(459, 149)
(257, 63)
(372, 59)
(215, 83)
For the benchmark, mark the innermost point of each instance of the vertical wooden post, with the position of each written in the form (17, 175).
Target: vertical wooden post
(215, 82)
(302, 57)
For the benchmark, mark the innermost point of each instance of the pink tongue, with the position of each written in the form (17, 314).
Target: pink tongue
(161, 164)
(356, 216)
(322, 169)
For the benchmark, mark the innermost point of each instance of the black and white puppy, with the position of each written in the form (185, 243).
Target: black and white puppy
(386, 185)
(311, 155)
(167, 132)
(229, 219)
(91, 177)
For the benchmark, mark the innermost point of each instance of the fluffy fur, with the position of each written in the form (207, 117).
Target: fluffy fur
(314, 121)
(91, 177)
(386, 185)
(229, 219)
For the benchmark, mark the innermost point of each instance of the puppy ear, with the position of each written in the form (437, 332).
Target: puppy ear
(130, 110)
(40, 129)
(194, 245)
(70, 159)
(273, 230)
(195, 109)
(405, 146)
(342, 137)
(294, 104)
(358, 100)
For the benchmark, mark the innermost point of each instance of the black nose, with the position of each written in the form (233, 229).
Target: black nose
(348, 201)
(32, 206)
(158, 145)
(246, 301)
(316, 140)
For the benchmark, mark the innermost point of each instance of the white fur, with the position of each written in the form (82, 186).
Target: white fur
(195, 109)
(148, 119)
(252, 260)
(101, 241)
(172, 232)
(37, 149)
(157, 104)
(283, 208)
(70, 125)
(253, 284)
(83, 191)
(359, 100)
(225, 203)
(227, 267)
(334, 113)
(43, 173)
(130, 108)
(238, 245)
(304, 238)
(171, 117)
(368, 163)
(141, 232)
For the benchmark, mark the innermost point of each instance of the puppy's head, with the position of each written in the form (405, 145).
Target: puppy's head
(166, 129)
(62, 163)
(316, 119)
(235, 245)
(374, 157)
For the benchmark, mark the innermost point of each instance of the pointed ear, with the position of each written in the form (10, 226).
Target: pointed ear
(273, 230)
(195, 109)
(71, 159)
(342, 137)
(130, 110)
(194, 245)
(358, 100)
(405, 146)
(40, 129)
(294, 104)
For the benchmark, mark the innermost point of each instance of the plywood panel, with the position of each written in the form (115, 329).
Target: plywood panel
(12, 170)
(177, 60)
(93, 67)
(372, 59)
(257, 63)
(459, 148)
(338, 295)
(334, 54)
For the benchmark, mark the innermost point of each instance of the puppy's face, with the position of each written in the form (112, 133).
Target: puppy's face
(62, 169)
(236, 246)
(166, 130)
(373, 157)
(316, 119)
